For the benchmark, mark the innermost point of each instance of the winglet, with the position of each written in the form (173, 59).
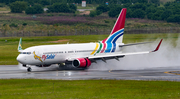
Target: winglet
(157, 48)
(19, 46)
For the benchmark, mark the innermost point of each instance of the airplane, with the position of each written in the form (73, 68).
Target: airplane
(79, 55)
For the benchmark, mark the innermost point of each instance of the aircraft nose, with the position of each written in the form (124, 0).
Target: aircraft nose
(20, 58)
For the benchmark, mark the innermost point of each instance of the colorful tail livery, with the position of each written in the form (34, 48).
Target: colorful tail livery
(79, 55)
(116, 36)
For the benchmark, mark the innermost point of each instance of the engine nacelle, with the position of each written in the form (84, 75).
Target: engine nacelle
(81, 63)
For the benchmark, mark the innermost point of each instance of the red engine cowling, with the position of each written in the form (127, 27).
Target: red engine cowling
(81, 63)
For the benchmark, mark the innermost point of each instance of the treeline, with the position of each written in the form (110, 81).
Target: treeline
(148, 9)
(19, 6)
(170, 12)
(50, 2)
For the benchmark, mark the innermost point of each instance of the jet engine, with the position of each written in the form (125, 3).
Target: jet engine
(81, 63)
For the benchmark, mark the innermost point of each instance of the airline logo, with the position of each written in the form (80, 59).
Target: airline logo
(44, 57)
(50, 56)
(37, 57)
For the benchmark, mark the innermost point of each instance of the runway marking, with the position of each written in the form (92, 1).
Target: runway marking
(172, 72)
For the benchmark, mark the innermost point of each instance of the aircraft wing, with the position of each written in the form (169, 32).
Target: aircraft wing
(120, 55)
(116, 56)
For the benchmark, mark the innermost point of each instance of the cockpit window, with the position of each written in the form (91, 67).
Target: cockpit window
(25, 53)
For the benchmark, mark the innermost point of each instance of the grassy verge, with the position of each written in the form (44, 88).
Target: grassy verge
(8, 46)
(82, 89)
(6, 8)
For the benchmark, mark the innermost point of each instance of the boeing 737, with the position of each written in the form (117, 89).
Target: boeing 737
(79, 55)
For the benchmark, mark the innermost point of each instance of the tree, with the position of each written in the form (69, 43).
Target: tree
(44, 2)
(157, 15)
(151, 9)
(103, 8)
(114, 11)
(127, 5)
(58, 7)
(92, 13)
(138, 6)
(125, 1)
(176, 10)
(139, 1)
(36, 9)
(29, 10)
(149, 15)
(174, 18)
(143, 1)
(138, 13)
(73, 8)
(18, 6)
(166, 14)
(157, 2)
(129, 13)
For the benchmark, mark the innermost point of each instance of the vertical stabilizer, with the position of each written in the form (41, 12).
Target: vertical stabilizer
(19, 46)
(116, 35)
(119, 25)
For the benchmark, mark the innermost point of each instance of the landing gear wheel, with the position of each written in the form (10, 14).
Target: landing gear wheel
(29, 69)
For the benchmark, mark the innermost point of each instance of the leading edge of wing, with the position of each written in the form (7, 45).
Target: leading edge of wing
(124, 54)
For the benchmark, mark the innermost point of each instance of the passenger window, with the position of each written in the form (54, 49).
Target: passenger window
(24, 52)
(28, 52)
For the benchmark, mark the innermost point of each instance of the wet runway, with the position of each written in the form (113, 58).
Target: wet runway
(163, 73)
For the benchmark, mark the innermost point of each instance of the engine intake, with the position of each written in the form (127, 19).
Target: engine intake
(81, 63)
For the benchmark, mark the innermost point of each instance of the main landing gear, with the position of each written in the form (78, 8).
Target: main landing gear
(28, 67)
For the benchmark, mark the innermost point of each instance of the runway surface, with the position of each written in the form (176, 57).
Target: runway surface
(164, 73)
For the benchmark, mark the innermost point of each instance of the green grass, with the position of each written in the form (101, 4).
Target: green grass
(83, 89)
(8, 45)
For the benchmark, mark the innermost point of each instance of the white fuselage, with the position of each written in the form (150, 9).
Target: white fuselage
(55, 54)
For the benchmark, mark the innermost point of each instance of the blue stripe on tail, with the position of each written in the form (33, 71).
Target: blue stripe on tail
(111, 41)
